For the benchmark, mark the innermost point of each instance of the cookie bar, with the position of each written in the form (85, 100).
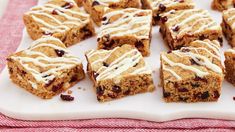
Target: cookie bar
(46, 68)
(61, 19)
(230, 65)
(119, 72)
(97, 8)
(193, 73)
(221, 5)
(161, 6)
(228, 25)
(127, 26)
(79, 2)
(179, 28)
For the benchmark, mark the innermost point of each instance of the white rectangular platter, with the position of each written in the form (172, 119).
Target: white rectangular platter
(17, 103)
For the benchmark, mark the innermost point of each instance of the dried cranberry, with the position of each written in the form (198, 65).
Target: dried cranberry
(99, 91)
(205, 95)
(127, 92)
(164, 19)
(55, 12)
(166, 94)
(73, 79)
(157, 17)
(47, 33)
(162, 7)
(220, 39)
(139, 44)
(57, 87)
(193, 62)
(202, 37)
(170, 51)
(95, 3)
(216, 94)
(200, 79)
(49, 82)
(104, 18)
(116, 89)
(176, 28)
(66, 97)
(59, 53)
(68, 5)
(183, 90)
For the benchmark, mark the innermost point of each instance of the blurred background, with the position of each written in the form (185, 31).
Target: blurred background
(3, 5)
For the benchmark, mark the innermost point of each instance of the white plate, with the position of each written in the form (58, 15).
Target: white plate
(17, 103)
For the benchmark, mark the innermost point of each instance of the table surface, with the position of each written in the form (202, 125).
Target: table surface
(3, 5)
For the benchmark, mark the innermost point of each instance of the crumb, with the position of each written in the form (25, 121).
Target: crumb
(233, 98)
(79, 88)
(66, 97)
(84, 89)
(69, 92)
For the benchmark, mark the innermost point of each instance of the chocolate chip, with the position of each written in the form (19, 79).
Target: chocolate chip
(176, 28)
(59, 53)
(73, 79)
(200, 79)
(233, 98)
(182, 90)
(55, 12)
(95, 3)
(99, 90)
(162, 7)
(205, 95)
(105, 64)
(135, 64)
(87, 33)
(112, 96)
(216, 94)
(116, 68)
(139, 44)
(68, 5)
(157, 17)
(66, 97)
(49, 82)
(164, 19)
(166, 94)
(98, 39)
(55, 88)
(116, 89)
(193, 62)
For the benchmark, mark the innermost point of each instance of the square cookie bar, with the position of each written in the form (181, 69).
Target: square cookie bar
(228, 25)
(161, 6)
(97, 8)
(230, 65)
(127, 26)
(46, 68)
(61, 19)
(193, 73)
(119, 72)
(179, 28)
(221, 5)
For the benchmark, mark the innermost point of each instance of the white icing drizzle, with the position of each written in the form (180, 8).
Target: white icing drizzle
(155, 4)
(72, 17)
(125, 24)
(119, 65)
(194, 17)
(34, 85)
(198, 72)
(231, 16)
(231, 51)
(173, 73)
(206, 62)
(52, 64)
